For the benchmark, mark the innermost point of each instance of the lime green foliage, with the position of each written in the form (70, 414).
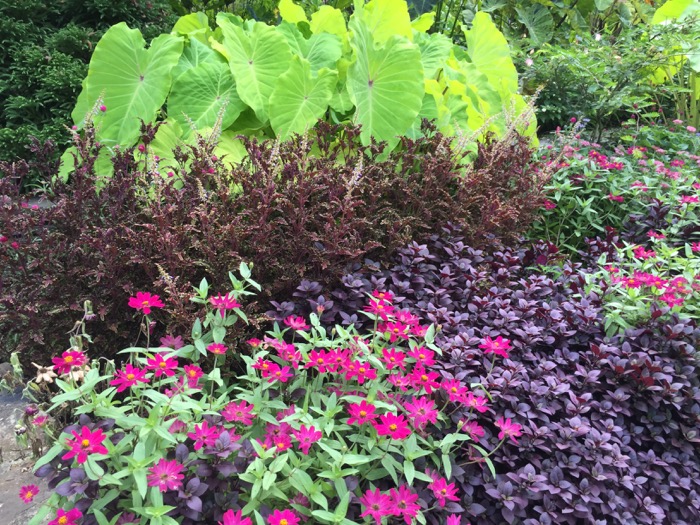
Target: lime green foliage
(380, 70)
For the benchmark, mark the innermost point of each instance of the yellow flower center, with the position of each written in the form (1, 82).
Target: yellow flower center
(422, 356)
(362, 370)
(392, 427)
(284, 522)
(69, 359)
(319, 360)
(192, 373)
(130, 377)
(496, 344)
(424, 377)
(363, 413)
(454, 389)
(380, 307)
(85, 443)
(396, 330)
(145, 303)
(443, 492)
(162, 364)
(392, 359)
(278, 373)
(29, 494)
(62, 520)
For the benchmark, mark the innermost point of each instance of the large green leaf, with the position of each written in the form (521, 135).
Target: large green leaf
(434, 51)
(490, 53)
(385, 18)
(321, 50)
(134, 81)
(671, 10)
(330, 20)
(194, 54)
(299, 99)
(190, 23)
(257, 60)
(385, 84)
(538, 21)
(290, 12)
(199, 95)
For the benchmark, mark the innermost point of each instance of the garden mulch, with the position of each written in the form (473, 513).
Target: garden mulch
(15, 467)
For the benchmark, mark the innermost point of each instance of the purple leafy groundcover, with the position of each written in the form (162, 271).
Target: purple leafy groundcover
(611, 426)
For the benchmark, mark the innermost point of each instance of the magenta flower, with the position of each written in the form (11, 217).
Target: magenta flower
(103, 108)
(387, 297)
(616, 198)
(695, 246)
(166, 475)
(307, 437)
(224, 302)
(128, 377)
(641, 253)
(478, 403)
(508, 429)
(655, 235)
(144, 301)
(453, 519)
(283, 517)
(443, 491)
(690, 199)
(363, 372)
(85, 443)
(277, 373)
(420, 378)
(396, 330)
(392, 425)
(377, 505)
(423, 356)
(404, 502)
(473, 429)
(380, 308)
(296, 323)
(162, 366)
(68, 360)
(456, 391)
(320, 360)
(361, 413)
(393, 358)
(498, 346)
(235, 518)
(422, 411)
(66, 518)
(193, 373)
(240, 412)
(204, 435)
(170, 341)
(27, 493)
(217, 348)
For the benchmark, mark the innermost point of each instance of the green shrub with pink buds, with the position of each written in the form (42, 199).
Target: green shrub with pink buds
(322, 427)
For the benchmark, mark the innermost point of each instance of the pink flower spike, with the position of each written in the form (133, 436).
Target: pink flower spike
(283, 517)
(128, 377)
(166, 475)
(508, 429)
(66, 518)
(28, 492)
(144, 301)
(235, 518)
(85, 443)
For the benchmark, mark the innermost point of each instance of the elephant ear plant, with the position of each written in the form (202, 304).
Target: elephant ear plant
(319, 425)
(378, 69)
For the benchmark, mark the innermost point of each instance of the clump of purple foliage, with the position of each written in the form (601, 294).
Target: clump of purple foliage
(611, 426)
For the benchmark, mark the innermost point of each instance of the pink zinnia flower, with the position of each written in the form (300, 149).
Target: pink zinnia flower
(224, 302)
(361, 413)
(144, 301)
(277, 373)
(654, 235)
(363, 372)
(404, 501)
(193, 373)
(453, 519)
(690, 199)
(204, 435)
(641, 253)
(695, 246)
(307, 437)
(473, 429)
(240, 412)
(380, 308)
(396, 330)
(423, 356)
(162, 366)
(671, 299)
(27, 493)
(422, 411)
(68, 360)
(616, 198)
(387, 297)
(85, 443)
(508, 429)
(320, 360)
(166, 475)
(549, 205)
(478, 403)
(66, 518)
(217, 348)
(392, 425)
(296, 323)
(691, 129)
(128, 377)
(420, 378)
(376, 505)
(235, 518)
(393, 358)
(456, 391)
(283, 517)
(498, 346)
(443, 491)
(170, 341)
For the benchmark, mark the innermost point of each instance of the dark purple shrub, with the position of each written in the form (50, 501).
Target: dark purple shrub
(291, 213)
(611, 426)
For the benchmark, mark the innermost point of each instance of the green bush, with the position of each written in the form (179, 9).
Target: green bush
(43, 57)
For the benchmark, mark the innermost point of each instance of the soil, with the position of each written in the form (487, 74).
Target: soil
(15, 467)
